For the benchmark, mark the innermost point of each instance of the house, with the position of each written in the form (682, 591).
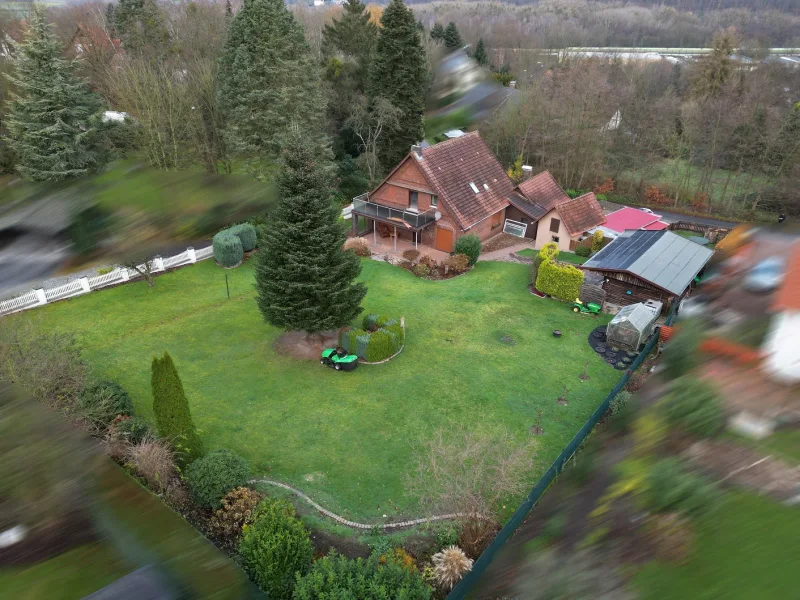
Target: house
(782, 343)
(437, 194)
(550, 215)
(631, 218)
(648, 265)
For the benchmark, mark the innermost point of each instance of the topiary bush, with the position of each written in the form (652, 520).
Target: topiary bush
(381, 346)
(101, 401)
(374, 322)
(276, 550)
(470, 245)
(583, 251)
(228, 250)
(381, 338)
(560, 281)
(214, 475)
(694, 406)
(335, 576)
(246, 234)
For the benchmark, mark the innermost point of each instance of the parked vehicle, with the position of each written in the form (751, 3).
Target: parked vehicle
(338, 359)
(590, 307)
(766, 275)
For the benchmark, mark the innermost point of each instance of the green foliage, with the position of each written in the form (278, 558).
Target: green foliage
(304, 279)
(554, 527)
(379, 543)
(246, 234)
(105, 399)
(381, 338)
(437, 32)
(421, 270)
(480, 56)
(622, 413)
(374, 321)
(336, 577)
(470, 245)
(134, 429)
(597, 241)
(171, 409)
(227, 248)
(680, 354)
(447, 535)
(52, 119)
(503, 75)
(672, 489)
(557, 280)
(267, 80)
(381, 346)
(399, 74)
(584, 251)
(276, 549)
(214, 475)
(142, 28)
(452, 38)
(87, 229)
(694, 406)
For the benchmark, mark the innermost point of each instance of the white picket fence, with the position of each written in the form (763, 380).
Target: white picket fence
(84, 285)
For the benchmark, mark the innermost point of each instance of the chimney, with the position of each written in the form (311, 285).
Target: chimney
(417, 149)
(527, 172)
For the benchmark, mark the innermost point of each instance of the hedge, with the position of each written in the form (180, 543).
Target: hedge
(560, 281)
(246, 234)
(228, 250)
(374, 346)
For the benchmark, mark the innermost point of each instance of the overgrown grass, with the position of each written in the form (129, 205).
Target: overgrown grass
(567, 257)
(346, 438)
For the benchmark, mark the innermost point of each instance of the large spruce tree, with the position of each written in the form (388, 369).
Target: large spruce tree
(53, 115)
(304, 278)
(171, 409)
(267, 80)
(452, 38)
(399, 75)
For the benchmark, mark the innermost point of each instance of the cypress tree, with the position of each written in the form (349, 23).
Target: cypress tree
(142, 28)
(267, 79)
(304, 279)
(437, 32)
(452, 39)
(480, 56)
(53, 116)
(171, 409)
(399, 75)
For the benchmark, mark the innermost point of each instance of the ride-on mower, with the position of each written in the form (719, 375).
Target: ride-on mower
(590, 307)
(338, 359)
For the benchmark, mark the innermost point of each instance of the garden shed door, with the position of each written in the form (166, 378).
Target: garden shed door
(444, 240)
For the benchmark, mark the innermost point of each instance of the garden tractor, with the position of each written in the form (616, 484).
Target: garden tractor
(580, 307)
(338, 359)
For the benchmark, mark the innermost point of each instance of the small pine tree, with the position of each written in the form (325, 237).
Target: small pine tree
(171, 409)
(452, 38)
(53, 117)
(304, 278)
(437, 33)
(480, 56)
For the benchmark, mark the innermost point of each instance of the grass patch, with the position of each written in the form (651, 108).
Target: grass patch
(784, 444)
(346, 438)
(567, 257)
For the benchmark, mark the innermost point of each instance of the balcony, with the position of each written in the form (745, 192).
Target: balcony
(411, 219)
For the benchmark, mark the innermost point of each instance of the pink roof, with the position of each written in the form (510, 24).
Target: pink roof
(657, 226)
(631, 218)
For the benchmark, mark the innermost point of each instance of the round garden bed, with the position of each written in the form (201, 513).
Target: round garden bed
(379, 340)
(614, 356)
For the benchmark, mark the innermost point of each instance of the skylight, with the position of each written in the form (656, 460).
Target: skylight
(474, 187)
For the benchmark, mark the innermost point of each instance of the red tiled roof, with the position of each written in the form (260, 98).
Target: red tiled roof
(543, 189)
(581, 214)
(630, 218)
(656, 226)
(788, 296)
(452, 165)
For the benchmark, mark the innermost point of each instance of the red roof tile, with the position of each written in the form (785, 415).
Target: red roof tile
(543, 189)
(581, 214)
(452, 165)
(630, 218)
(788, 296)
(656, 226)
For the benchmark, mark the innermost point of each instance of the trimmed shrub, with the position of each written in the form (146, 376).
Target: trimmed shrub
(583, 251)
(371, 344)
(246, 234)
(374, 322)
(133, 429)
(560, 281)
(237, 510)
(597, 241)
(458, 263)
(358, 245)
(101, 401)
(335, 576)
(549, 251)
(411, 254)
(421, 270)
(470, 245)
(214, 475)
(276, 550)
(227, 247)
(672, 489)
(381, 345)
(399, 333)
(693, 406)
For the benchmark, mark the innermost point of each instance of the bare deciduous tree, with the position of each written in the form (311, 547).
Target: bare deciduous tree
(369, 124)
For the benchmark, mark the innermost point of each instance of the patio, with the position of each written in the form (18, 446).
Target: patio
(383, 246)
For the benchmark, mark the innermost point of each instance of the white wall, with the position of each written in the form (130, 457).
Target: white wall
(545, 236)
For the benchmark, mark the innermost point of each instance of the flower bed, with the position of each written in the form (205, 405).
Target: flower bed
(379, 339)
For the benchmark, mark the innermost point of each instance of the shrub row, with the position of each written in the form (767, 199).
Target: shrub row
(380, 338)
(230, 244)
(557, 280)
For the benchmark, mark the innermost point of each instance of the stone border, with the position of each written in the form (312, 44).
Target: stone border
(353, 524)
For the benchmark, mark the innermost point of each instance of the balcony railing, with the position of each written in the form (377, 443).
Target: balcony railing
(416, 220)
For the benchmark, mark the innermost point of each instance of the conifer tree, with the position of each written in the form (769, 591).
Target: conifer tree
(304, 278)
(142, 28)
(452, 38)
(53, 116)
(480, 56)
(171, 409)
(267, 80)
(437, 32)
(399, 75)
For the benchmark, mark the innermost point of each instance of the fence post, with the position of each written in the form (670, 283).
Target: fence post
(84, 281)
(158, 264)
(126, 276)
(40, 296)
(190, 253)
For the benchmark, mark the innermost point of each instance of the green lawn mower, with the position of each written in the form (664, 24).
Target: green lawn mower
(591, 307)
(338, 359)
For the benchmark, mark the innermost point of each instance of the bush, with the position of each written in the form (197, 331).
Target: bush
(358, 245)
(381, 338)
(680, 353)
(470, 245)
(374, 322)
(560, 281)
(214, 475)
(101, 401)
(450, 566)
(336, 577)
(411, 255)
(227, 247)
(153, 460)
(421, 270)
(621, 412)
(458, 263)
(694, 406)
(133, 429)
(428, 261)
(246, 234)
(670, 536)
(597, 241)
(276, 549)
(655, 196)
(238, 509)
(381, 346)
(583, 251)
(671, 489)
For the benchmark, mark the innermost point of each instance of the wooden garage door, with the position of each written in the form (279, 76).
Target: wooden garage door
(444, 240)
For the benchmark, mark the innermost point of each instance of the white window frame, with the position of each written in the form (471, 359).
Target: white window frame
(515, 224)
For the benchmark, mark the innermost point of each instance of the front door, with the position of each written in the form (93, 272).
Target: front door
(444, 240)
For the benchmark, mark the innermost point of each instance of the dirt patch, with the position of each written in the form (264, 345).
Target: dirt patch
(350, 547)
(500, 242)
(300, 345)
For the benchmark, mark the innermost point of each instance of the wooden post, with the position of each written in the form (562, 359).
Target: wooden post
(227, 289)
(374, 234)
(395, 238)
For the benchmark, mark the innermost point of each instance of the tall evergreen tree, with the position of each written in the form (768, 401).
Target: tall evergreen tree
(399, 75)
(267, 79)
(171, 409)
(452, 39)
(304, 279)
(480, 56)
(437, 32)
(141, 26)
(53, 114)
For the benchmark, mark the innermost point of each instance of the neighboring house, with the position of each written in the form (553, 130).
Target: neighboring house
(648, 265)
(437, 194)
(782, 342)
(550, 215)
(630, 218)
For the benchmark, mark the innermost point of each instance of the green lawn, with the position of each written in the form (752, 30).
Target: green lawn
(784, 444)
(346, 438)
(745, 550)
(568, 257)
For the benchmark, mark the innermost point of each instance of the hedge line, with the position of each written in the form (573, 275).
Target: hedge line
(555, 279)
